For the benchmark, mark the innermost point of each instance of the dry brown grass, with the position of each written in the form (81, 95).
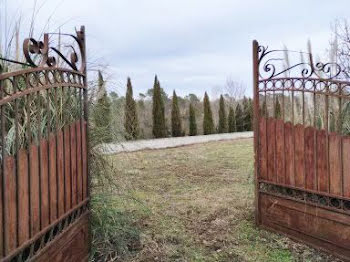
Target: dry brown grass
(195, 203)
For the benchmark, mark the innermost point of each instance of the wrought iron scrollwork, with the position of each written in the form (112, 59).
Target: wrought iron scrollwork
(37, 53)
(271, 66)
(317, 199)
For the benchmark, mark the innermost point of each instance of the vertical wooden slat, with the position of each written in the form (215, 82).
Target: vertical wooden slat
(11, 204)
(263, 149)
(67, 169)
(73, 156)
(44, 179)
(280, 152)
(23, 197)
(60, 172)
(84, 153)
(346, 166)
(34, 189)
(271, 147)
(79, 162)
(289, 154)
(335, 164)
(310, 173)
(52, 177)
(299, 155)
(321, 147)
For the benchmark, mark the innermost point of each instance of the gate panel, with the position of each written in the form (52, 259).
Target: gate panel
(335, 164)
(73, 164)
(310, 158)
(271, 145)
(321, 152)
(299, 156)
(346, 166)
(263, 149)
(34, 190)
(23, 197)
(44, 183)
(11, 204)
(52, 177)
(67, 172)
(44, 196)
(302, 150)
(280, 164)
(289, 153)
(60, 173)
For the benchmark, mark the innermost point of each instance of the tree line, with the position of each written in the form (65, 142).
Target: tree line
(232, 117)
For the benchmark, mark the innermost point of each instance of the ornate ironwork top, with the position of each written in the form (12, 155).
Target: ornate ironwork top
(272, 65)
(39, 53)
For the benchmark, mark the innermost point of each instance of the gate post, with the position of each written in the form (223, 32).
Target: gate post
(256, 126)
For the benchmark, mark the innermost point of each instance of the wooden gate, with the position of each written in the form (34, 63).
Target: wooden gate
(302, 148)
(44, 189)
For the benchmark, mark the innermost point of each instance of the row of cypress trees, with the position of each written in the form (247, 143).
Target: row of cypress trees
(238, 118)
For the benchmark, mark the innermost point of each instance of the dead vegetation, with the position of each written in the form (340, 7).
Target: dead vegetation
(191, 203)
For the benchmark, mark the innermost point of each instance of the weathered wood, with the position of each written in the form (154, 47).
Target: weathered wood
(67, 169)
(321, 147)
(53, 177)
(60, 172)
(280, 168)
(289, 153)
(335, 163)
(299, 156)
(44, 183)
(322, 225)
(38, 160)
(271, 147)
(310, 174)
(11, 204)
(79, 164)
(73, 156)
(71, 245)
(34, 189)
(346, 166)
(23, 197)
(84, 149)
(263, 149)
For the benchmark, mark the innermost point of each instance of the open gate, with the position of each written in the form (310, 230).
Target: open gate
(44, 190)
(302, 148)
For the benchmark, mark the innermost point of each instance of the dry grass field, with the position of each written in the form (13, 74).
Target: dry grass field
(192, 203)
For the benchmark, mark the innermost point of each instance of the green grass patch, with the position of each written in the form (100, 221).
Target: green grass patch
(192, 203)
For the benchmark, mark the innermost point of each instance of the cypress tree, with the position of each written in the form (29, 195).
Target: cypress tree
(278, 113)
(239, 118)
(175, 118)
(222, 116)
(251, 113)
(102, 112)
(247, 115)
(231, 121)
(159, 129)
(130, 119)
(208, 124)
(193, 124)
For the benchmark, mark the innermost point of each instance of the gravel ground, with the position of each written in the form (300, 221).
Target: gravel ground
(159, 143)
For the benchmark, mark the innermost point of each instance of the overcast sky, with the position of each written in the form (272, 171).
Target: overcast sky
(192, 45)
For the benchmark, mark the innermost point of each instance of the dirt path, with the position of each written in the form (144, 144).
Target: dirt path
(131, 146)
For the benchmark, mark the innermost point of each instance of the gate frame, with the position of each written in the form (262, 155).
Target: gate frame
(52, 241)
(302, 236)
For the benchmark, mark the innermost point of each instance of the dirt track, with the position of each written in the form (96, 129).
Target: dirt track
(131, 146)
